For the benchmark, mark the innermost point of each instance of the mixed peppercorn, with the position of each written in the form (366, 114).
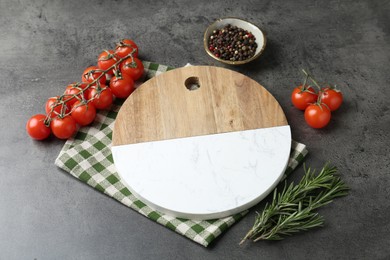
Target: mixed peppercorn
(232, 43)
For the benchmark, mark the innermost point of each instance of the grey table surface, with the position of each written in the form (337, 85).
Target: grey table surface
(47, 214)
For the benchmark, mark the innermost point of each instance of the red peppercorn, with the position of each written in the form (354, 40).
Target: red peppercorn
(211, 47)
(217, 55)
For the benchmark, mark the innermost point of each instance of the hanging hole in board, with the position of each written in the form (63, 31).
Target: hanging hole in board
(192, 83)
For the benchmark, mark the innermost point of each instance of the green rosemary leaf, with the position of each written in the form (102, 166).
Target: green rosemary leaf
(292, 210)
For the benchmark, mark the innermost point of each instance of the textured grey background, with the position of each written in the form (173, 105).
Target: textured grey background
(47, 214)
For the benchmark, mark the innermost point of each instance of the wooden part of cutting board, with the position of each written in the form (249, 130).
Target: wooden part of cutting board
(164, 108)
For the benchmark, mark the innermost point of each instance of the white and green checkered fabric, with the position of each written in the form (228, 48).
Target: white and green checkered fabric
(88, 158)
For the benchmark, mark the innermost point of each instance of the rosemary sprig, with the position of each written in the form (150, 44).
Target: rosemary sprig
(292, 210)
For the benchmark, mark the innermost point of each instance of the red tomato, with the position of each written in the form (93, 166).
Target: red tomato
(302, 97)
(102, 99)
(88, 91)
(332, 98)
(55, 102)
(36, 127)
(132, 67)
(63, 128)
(83, 113)
(126, 46)
(82, 85)
(122, 86)
(317, 115)
(107, 59)
(76, 90)
(92, 73)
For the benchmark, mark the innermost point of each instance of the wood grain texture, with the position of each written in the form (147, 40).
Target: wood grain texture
(163, 108)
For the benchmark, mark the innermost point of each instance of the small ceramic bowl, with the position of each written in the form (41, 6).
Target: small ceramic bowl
(221, 23)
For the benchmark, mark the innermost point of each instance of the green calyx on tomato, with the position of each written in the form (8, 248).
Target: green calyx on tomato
(107, 59)
(73, 93)
(101, 98)
(92, 73)
(317, 115)
(122, 86)
(332, 97)
(56, 106)
(126, 47)
(107, 55)
(132, 67)
(83, 113)
(37, 127)
(303, 96)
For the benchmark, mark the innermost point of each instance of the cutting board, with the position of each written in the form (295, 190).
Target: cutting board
(201, 142)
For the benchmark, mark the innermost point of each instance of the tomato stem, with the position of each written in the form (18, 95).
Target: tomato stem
(118, 74)
(304, 83)
(312, 79)
(109, 56)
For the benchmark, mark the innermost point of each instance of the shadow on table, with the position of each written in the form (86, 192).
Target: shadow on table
(268, 60)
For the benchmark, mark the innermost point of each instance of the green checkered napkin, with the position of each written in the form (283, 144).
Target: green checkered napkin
(88, 158)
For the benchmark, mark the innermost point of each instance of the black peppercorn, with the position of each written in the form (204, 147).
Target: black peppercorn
(232, 43)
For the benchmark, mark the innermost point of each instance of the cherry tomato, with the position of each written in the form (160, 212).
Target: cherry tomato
(36, 127)
(55, 102)
(317, 115)
(126, 46)
(301, 97)
(83, 113)
(91, 73)
(106, 59)
(87, 92)
(132, 67)
(73, 89)
(63, 128)
(102, 100)
(332, 98)
(122, 86)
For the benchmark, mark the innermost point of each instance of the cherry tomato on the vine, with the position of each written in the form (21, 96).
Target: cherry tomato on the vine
(92, 73)
(317, 115)
(63, 128)
(332, 98)
(74, 92)
(302, 97)
(107, 59)
(132, 67)
(102, 98)
(83, 113)
(36, 127)
(126, 46)
(57, 105)
(122, 86)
